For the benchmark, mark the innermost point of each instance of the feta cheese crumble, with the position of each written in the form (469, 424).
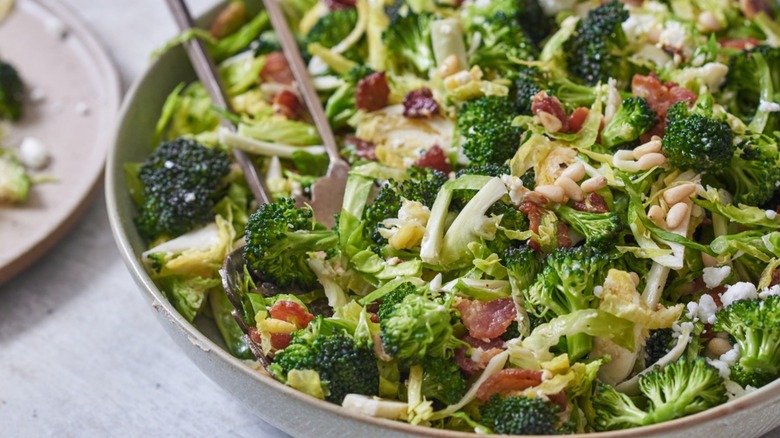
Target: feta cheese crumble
(738, 291)
(715, 275)
(33, 153)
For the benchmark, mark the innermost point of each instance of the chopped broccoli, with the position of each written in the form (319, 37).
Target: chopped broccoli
(593, 52)
(566, 284)
(333, 28)
(511, 219)
(343, 367)
(408, 42)
(753, 173)
(340, 106)
(753, 76)
(679, 389)
(391, 301)
(516, 415)
(279, 237)
(484, 169)
(535, 23)
(182, 183)
(528, 83)
(753, 325)
(266, 43)
(696, 139)
(418, 327)
(633, 118)
(522, 265)
(14, 181)
(11, 92)
(657, 345)
(442, 380)
(601, 230)
(486, 123)
(502, 39)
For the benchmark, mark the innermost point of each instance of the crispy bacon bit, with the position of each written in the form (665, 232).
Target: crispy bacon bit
(508, 381)
(291, 312)
(255, 336)
(751, 8)
(577, 119)
(593, 203)
(775, 278)
(434, 158)
(487, 319)
(363, 149)
(488, 349)
(739, 43)
(280, 341)
(660, 96)
(420, 104)
(484, 344)
(228, 20)
(564, 241)
(339, 4)
(372, 92)
(276, 69)
(542, 102)
(558, 399)
(374, 318)
(534, 215)
(287, 104)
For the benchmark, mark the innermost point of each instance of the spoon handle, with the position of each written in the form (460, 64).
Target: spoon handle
(207, 74)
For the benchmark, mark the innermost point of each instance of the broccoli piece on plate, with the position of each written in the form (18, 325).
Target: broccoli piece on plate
(633, 118)
(14, 182)
(528, 83)
(418, 327)
(517, 415)
(679, 389)
(442, 380)
(266, 43)
(753, 173)
(594, 52)
(522, 265)
(333, 28)
(658, 344)
(343, 367)
(183, 181)
(486, 123)
(511, 219)
(502, 39)
(754, 75)
(11, 92)
(601, 230)
(340, 106)
(753, 326)
(408, 43)
(697, 139)
(394, 298)
(279, 238)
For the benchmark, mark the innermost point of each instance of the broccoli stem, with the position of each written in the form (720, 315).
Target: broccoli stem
(578, 345)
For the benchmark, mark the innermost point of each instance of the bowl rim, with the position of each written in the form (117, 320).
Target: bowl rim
(760, 397)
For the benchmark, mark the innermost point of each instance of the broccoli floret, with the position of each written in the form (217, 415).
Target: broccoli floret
(517, 415)
(266, 43)
(340, 106)
(442, 380)
(182, 182)
(11, 92)
(593, 52)
(408, 43)
(14, 181)
(333, 28)
(601, 230)
(753, 325)
(696, 139)
(679, 389)
(754, 75)
(279, 238)
(530, 81)
(344, 368)
(536, 24)
(657, 345)
(633, 118)
(565, 285)
(486, 123)
(417, 328)
(485, 169)
(522, 265)
(422, 185)
(391, 301)
(502, 39)
(511, 219)
(753, 173)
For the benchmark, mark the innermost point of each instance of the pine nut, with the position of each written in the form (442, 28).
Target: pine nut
(572, 190)
(552, 192)
(624, 154)
(718, 346)
(650, 146)
(536, 198)
(594, 183)
(656, 214)
(455, 80)
(551, 123)
(450, 66)
(708, 260)
(676, 215)
(634, 278)
(679, 193)
(576, 171)
(653, 159)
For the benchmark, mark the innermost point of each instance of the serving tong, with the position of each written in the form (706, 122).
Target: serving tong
(327, 192)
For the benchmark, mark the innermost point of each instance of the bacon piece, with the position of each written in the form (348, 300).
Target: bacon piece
(280, 341)
(287, 104)
(363, 149)
(775, 278)
(564, 241)
(420, 104)
(542, 102)
(255, 336)
(534, 216)
(340, 4)
(508, 381)
(739, 43)
(660, 96)
(372, 92)
(292, 312)
(558, 399)
(487, 319)
(484, 344)
(577, 119)
(489, 349)
(593, 203)
(276, 69)
(434, 158)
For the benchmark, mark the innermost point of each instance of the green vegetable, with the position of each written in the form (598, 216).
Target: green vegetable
(418, 327)
(11, 92)
(516, 415)
(697, 139)
(14, 182)
(485, 122)
(408, 43)
(633, 118)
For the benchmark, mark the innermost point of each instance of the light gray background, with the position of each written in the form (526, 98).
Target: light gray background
(80, 351)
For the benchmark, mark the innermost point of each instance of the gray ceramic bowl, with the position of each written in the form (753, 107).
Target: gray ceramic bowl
(285, 408)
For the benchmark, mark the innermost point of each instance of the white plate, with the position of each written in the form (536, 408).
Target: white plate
(58, 57)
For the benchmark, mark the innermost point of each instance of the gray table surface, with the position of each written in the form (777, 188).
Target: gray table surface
(81, 353)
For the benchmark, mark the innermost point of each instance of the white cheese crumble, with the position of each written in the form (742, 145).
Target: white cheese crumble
(704, 310)
(514, 186)
(771, 107)
(771, 214)
(722, 367)
(189, 197)
(37, 95)
(715, 275)
(766, 293)
(597, 291)
(33, 153)
(738, 291)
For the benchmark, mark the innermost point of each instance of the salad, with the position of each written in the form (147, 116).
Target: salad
(561, 216)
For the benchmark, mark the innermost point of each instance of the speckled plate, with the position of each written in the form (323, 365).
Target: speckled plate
(78, 94)
(285, 408)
